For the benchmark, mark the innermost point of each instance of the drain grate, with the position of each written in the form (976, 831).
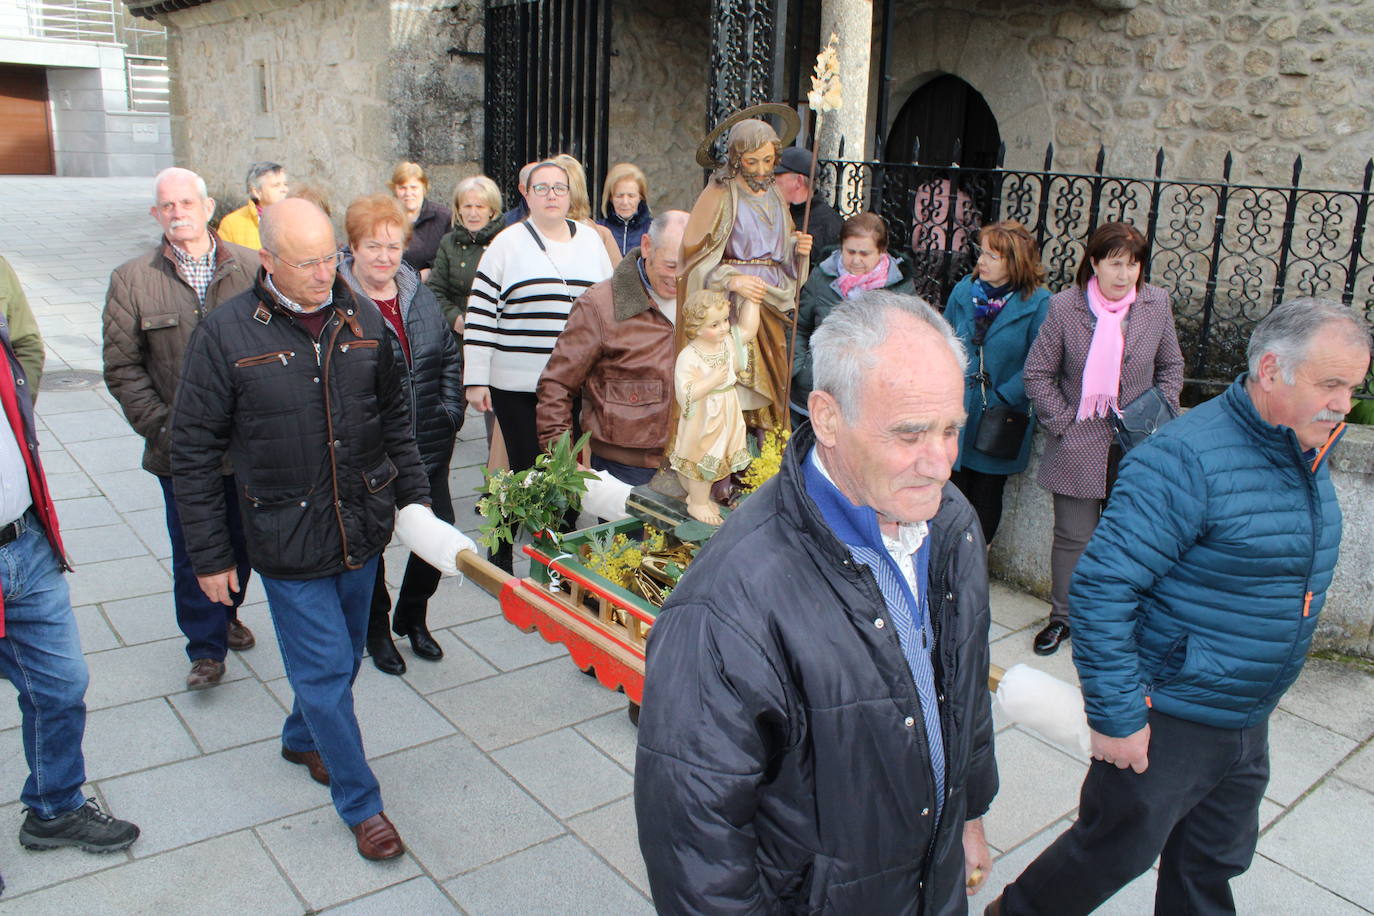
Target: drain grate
(70, 380)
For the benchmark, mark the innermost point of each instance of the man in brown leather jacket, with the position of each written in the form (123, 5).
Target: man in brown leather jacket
(153, 304)
(616, 353)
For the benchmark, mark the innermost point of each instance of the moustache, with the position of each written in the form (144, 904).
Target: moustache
(181, 223)
(1328, 416)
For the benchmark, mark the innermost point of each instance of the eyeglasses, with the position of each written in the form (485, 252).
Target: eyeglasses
(979, 251)
(331, 261)
(543, 190)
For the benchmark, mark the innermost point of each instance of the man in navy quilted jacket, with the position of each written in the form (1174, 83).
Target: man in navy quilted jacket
(1192, 612)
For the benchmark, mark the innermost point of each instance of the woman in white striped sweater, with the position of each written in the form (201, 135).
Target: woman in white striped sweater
(524, 288)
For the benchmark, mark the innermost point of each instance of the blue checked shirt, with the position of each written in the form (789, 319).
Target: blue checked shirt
(197, 271)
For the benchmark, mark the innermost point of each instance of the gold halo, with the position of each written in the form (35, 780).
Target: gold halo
(791, 126)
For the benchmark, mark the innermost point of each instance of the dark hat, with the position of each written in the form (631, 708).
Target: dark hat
(794, 159)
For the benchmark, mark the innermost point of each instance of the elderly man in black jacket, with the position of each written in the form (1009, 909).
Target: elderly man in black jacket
(816, 733)
(299, 385)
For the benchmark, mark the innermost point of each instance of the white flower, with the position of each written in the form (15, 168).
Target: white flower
(825, 92)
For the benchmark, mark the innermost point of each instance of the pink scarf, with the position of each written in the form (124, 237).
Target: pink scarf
(874, 279)
(1102, 371)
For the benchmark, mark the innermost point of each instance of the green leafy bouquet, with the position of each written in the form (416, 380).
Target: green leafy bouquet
(536, 499)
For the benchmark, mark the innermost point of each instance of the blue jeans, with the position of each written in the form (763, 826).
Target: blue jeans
(41, 655)
(321, 626)
(204, 622)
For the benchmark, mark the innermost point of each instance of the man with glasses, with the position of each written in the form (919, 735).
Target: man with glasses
(153, 304)
(294, 380)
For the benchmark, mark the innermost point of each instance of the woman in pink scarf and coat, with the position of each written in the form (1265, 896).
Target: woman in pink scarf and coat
(1105, 342)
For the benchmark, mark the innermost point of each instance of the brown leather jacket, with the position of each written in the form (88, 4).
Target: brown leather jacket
(150, 312)
(617, 353)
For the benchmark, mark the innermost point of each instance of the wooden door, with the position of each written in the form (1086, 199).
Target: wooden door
(26, 140)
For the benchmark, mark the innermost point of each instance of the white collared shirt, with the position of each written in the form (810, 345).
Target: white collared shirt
(15, 496)
(902, 548)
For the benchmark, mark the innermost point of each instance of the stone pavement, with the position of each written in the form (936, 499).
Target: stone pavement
(507, 772)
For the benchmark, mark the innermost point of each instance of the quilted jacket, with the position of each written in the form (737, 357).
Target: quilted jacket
(433, 381)
(318, 430)
(1200, 590)
(782, 764)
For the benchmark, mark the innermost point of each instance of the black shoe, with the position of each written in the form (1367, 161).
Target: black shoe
(1047, 640)
(385, 656)
(87, 827)
(424, 645)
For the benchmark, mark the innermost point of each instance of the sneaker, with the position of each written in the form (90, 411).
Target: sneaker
(240, 638)
(87, 828)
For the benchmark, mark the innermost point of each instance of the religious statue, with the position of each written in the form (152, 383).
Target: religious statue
(711, 438)
(740, 240)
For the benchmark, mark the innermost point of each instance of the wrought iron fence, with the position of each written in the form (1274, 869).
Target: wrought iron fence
(1227, 253)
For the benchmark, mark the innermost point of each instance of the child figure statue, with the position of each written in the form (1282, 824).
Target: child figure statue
(711, 437)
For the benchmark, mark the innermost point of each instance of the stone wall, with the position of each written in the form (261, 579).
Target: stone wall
(661, 50)
(337, 90)
(1021, 551)
(1266, 80)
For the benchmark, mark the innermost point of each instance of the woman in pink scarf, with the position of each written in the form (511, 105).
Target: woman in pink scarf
(861, 262)
(1104, 343)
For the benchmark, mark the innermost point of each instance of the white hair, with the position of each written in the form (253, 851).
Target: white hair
(178, 172)
(663, 221)
(1288, 330)
(842, 348)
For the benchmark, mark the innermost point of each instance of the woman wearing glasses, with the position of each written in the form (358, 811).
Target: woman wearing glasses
(525, 286)
(997, 310)
(422, 343)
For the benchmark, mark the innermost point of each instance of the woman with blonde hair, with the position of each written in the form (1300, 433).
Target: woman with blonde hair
(476, 220)
(625, 205)
(580, 204)
(428, 220)
(997, 310)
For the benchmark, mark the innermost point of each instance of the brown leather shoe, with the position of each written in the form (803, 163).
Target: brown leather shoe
(205, 672)
(311, 761)
(240, 637)
(378, 839)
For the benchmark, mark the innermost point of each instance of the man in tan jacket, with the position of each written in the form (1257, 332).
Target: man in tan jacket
(153, 304)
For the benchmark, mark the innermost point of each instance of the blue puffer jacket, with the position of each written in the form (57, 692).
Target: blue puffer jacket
(1199, 592)
(627, 232)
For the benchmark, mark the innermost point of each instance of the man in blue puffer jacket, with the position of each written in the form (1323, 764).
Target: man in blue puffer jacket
(1192, 612)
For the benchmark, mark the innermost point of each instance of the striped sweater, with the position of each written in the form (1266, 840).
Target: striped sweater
(520, 301)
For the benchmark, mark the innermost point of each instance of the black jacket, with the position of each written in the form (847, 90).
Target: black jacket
(320, 438)
(824, 228)
(782, 765)
(433, 381)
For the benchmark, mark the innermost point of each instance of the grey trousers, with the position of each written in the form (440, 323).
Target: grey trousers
(1075, 520)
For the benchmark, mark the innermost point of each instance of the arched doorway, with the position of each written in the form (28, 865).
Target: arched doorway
(939, 113)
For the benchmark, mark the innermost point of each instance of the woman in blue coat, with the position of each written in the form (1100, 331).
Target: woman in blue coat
(997, 311)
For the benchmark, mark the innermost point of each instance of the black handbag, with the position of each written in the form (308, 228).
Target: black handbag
(1138, 420)
(1001, 429)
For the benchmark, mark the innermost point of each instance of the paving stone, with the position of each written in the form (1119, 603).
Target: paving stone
(612, 832)
(479, 816)
(151, 527)
(1015, 609)
(419, 895)
(57, 402)
(1269, 812)
(98, 457)
(323, 870)
(72, 485)
(498, 641)
(130, 491)
(85, 512)
(26, 871)
(521, 704)
(96, 635)
(1359, 769)
(136, 736)
(996, 631)
(214, 794)
(388, 714)
(1269, 889)
(233, 871)
(106, 542)
(460, 665)
(111, 580)
(615, 735)
(86, 425)
(1016, 649)
(147, 670)
(571, 881)
(234, 713)
(264, 658)
(1043, 781)
(565, 771)
(455, 604)
(1334, 696)
(147, 618)
(56, 460)
(1324, 838)
(1300, 755)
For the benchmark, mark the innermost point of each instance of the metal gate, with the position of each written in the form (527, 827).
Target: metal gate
(547, 86)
